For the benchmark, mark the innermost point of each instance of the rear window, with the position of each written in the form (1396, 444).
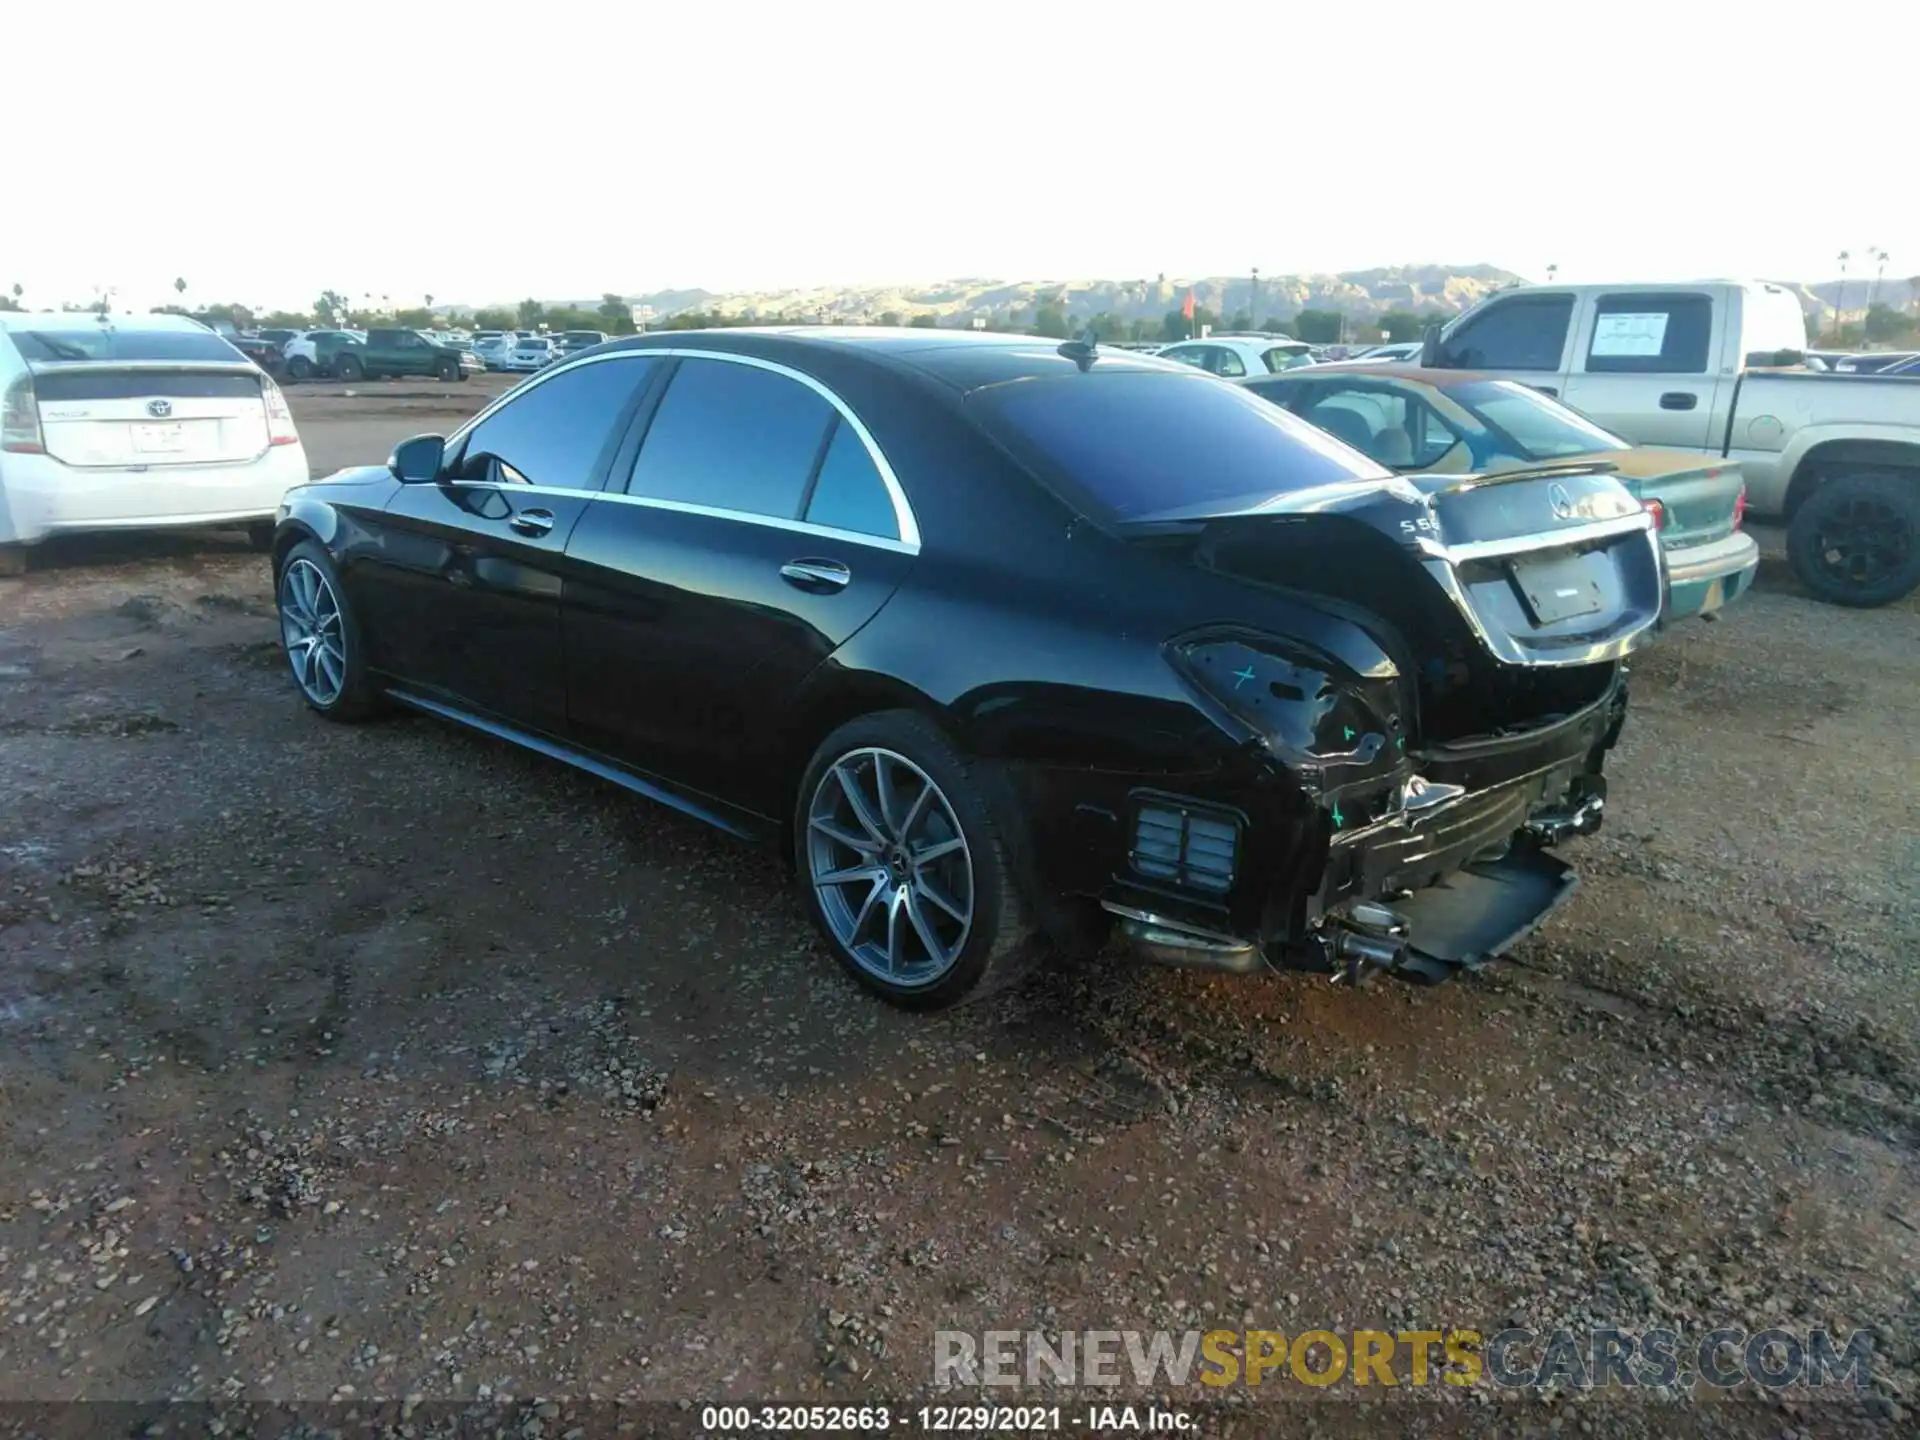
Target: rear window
(100, 342)
(1544, 429)
(1133, 444)
(587, 336)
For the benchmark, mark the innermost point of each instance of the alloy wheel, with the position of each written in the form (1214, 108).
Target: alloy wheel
(313, 631)
(1864, 542)
(890, 867)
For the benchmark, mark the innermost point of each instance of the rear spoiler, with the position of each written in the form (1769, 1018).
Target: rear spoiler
(160, 367)
(1528, 472)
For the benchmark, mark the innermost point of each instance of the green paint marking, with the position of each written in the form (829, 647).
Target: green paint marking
(1240, 677)
(1338, 818)
(1347, 730)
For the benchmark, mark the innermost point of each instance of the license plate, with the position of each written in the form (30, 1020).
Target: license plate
(163, 439)
(1556, 588)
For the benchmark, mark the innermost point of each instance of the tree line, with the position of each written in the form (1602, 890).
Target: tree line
(335, 310)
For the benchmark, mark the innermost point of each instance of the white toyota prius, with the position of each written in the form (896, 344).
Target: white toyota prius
(135, 422)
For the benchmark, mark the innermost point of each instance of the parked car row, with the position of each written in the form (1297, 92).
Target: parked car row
(353, 355)
(1311, 667)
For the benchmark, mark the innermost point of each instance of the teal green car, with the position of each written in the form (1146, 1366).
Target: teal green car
(1454, 422)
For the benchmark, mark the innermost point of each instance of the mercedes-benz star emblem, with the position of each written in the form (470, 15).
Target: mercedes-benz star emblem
(159, 409)
(1561, 501)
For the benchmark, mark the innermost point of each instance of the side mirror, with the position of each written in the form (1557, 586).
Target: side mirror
(418, 461)
(1430, 348)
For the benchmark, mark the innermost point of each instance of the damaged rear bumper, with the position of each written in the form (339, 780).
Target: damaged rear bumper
(1457, 874)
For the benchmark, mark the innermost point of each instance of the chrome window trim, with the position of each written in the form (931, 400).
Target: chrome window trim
(713, 512)
(908, 540)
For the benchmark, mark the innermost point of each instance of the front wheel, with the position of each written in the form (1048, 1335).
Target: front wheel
(1856, 540)
(902, 848)
(299, 368)
(449, 371)
(320, 636)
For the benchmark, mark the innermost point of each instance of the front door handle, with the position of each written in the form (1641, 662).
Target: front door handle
(1679, 400)
(532, 522)
(817, 575)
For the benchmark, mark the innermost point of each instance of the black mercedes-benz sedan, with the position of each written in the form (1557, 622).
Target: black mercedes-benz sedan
(1005, 642)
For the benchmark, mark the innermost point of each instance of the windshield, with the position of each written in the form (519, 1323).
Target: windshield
(1542, 429)
(103, 342)
(1129, 444)
(584, 337)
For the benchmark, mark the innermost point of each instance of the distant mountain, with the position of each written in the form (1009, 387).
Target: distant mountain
(1824, 295)
(1438, 289)
(1361, 293)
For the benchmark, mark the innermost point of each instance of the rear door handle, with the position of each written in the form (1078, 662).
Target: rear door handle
(816, 575)
(532, 522)
(1679, 400)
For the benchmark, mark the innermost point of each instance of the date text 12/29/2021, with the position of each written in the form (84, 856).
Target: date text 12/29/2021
(940, 1419)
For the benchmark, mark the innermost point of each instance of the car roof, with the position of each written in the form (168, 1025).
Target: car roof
(83, 319)
(1265, 342)
(963, 359)
(1393, 370)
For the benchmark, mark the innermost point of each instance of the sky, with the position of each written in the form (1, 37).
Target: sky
(483, 152)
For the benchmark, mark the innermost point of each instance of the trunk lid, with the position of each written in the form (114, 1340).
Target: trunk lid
(1697, 493)
(117, 416)
(1550, 566)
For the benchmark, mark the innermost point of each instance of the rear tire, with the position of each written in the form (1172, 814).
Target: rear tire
(349, 369)
(299, 368)
(13, 560)
(320, 636)
(927, 912)
(1856, 540)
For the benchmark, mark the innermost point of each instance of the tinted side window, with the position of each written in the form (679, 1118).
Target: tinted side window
(554, 433)
(1650, 334)
(849, 493)
(734, 437)
(1224, 362)
(1529, 334)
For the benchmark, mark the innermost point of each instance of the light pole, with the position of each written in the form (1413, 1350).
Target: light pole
(1253, 303)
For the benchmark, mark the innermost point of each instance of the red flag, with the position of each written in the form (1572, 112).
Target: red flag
(1186, 310)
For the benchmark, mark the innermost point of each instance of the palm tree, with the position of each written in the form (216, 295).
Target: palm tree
(180, 286)
(1552, 270)
(1879, 258)
(1840, 299)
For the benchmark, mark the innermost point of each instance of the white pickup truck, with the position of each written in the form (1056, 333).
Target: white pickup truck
(1717, 367)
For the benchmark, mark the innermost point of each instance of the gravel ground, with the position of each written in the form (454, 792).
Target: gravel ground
(386, 1061)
